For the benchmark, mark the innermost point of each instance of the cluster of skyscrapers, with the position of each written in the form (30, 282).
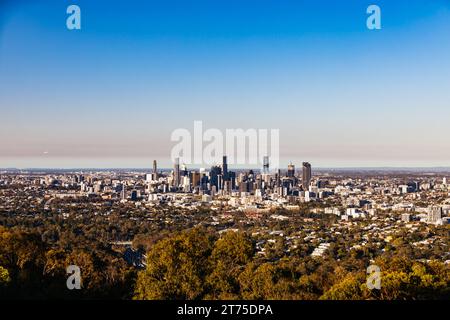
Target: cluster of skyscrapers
(220, 180)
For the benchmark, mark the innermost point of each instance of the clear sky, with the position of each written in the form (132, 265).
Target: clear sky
(110, 94)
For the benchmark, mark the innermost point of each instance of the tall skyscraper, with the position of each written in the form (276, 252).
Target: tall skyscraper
(176, 173)
(123, 193)
(266, 164)
(232, 177)
(291, 170)
(278, 178)
(155, 171)
(225, 168)
(195, 178)
(219, 182)
(434, 214)
(213, 176)
(306, 175)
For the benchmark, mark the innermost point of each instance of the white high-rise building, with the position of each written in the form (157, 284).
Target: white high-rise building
(434, 214)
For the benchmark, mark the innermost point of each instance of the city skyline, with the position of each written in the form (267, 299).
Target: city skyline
(229, 158)
(136, 222)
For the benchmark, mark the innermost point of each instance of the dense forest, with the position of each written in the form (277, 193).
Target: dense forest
(200, 263)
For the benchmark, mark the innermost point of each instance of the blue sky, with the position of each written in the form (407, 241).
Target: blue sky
(110, 94)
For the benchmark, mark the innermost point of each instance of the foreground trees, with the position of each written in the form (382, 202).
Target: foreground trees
(30, 268)
(196, 265)
(202, 264)
(193, 265)
(401, 279)
(176, 268)
(231, 253)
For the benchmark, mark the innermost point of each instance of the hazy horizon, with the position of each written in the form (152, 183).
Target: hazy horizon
(298, 168)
